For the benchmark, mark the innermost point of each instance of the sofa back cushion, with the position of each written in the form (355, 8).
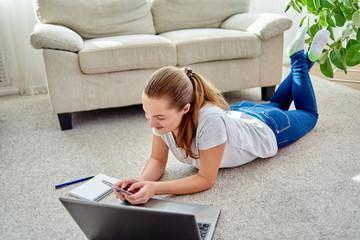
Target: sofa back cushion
(98, 18)
(172, 15)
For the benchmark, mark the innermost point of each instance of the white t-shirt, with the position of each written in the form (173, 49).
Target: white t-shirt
(246, 137)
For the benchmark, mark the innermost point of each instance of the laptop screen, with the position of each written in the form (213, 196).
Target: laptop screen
(104, 221)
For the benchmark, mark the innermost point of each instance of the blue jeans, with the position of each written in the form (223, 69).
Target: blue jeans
(288, 125)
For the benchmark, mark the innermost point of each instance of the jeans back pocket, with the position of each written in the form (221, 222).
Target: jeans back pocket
(277, 119)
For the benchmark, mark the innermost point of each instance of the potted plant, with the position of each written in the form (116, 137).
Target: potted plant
(344, 51)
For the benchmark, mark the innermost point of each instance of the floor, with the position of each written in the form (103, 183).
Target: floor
(353, 75)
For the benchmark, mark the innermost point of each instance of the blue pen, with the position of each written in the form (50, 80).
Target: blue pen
(76, 181)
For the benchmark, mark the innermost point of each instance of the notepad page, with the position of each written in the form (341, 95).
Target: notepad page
(93, 189)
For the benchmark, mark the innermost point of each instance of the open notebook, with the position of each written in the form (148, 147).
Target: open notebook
(93, 189)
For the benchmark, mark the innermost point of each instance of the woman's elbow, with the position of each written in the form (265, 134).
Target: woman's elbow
(208, 183)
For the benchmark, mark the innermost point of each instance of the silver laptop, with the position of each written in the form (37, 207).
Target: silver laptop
(157, 219)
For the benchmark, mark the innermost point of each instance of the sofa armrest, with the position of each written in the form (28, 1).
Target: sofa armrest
(55, 37)
(265, 25)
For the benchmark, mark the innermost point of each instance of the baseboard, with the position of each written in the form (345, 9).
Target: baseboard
(9, 90)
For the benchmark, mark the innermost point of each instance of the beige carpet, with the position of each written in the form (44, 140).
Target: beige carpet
(306, 191)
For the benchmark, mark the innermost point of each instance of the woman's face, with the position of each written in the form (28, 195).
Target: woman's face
(162, 118)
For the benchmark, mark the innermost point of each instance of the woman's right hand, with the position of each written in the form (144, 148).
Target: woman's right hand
(123, 184)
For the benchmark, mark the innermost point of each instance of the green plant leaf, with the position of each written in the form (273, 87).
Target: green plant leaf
(323, 57)
(356, 4)
(314, 29)
(287, 7)
(317, 4)
(330, 29)
(358, 35)
(347, 4)
(330, 19)
(303, 20)
(339, 17)
(356, 18)
(346, 33)
(337, 59)
(300, 3)
(322, 18)
(353, 56)
(351, 43)
(295, 6)
(343, 57)
(327, 4)
(326, 68)
(310, 5)
(348, 12)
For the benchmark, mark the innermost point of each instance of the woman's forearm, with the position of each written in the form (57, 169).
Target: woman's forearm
(210, 161)
(153, 170)
(191, 184)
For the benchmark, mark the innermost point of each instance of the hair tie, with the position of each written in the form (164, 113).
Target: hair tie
(188, 71)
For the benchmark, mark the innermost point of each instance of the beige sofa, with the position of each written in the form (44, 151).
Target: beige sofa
(99, 54)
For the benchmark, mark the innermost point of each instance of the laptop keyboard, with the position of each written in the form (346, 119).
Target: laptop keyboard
(204, 228)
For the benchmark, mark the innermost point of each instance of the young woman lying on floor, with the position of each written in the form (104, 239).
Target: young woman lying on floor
(191, 118)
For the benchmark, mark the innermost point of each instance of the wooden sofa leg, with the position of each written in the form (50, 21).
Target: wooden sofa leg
(267, 92)
(65, 121)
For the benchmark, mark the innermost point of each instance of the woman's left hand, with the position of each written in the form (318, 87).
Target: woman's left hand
(144, 191)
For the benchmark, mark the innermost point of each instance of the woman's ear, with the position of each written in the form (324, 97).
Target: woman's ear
(186, 108)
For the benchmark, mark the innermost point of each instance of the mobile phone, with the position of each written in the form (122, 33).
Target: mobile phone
(115, 187)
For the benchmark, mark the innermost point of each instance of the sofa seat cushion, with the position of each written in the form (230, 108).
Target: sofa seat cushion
(130, 52)
(203, 45)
